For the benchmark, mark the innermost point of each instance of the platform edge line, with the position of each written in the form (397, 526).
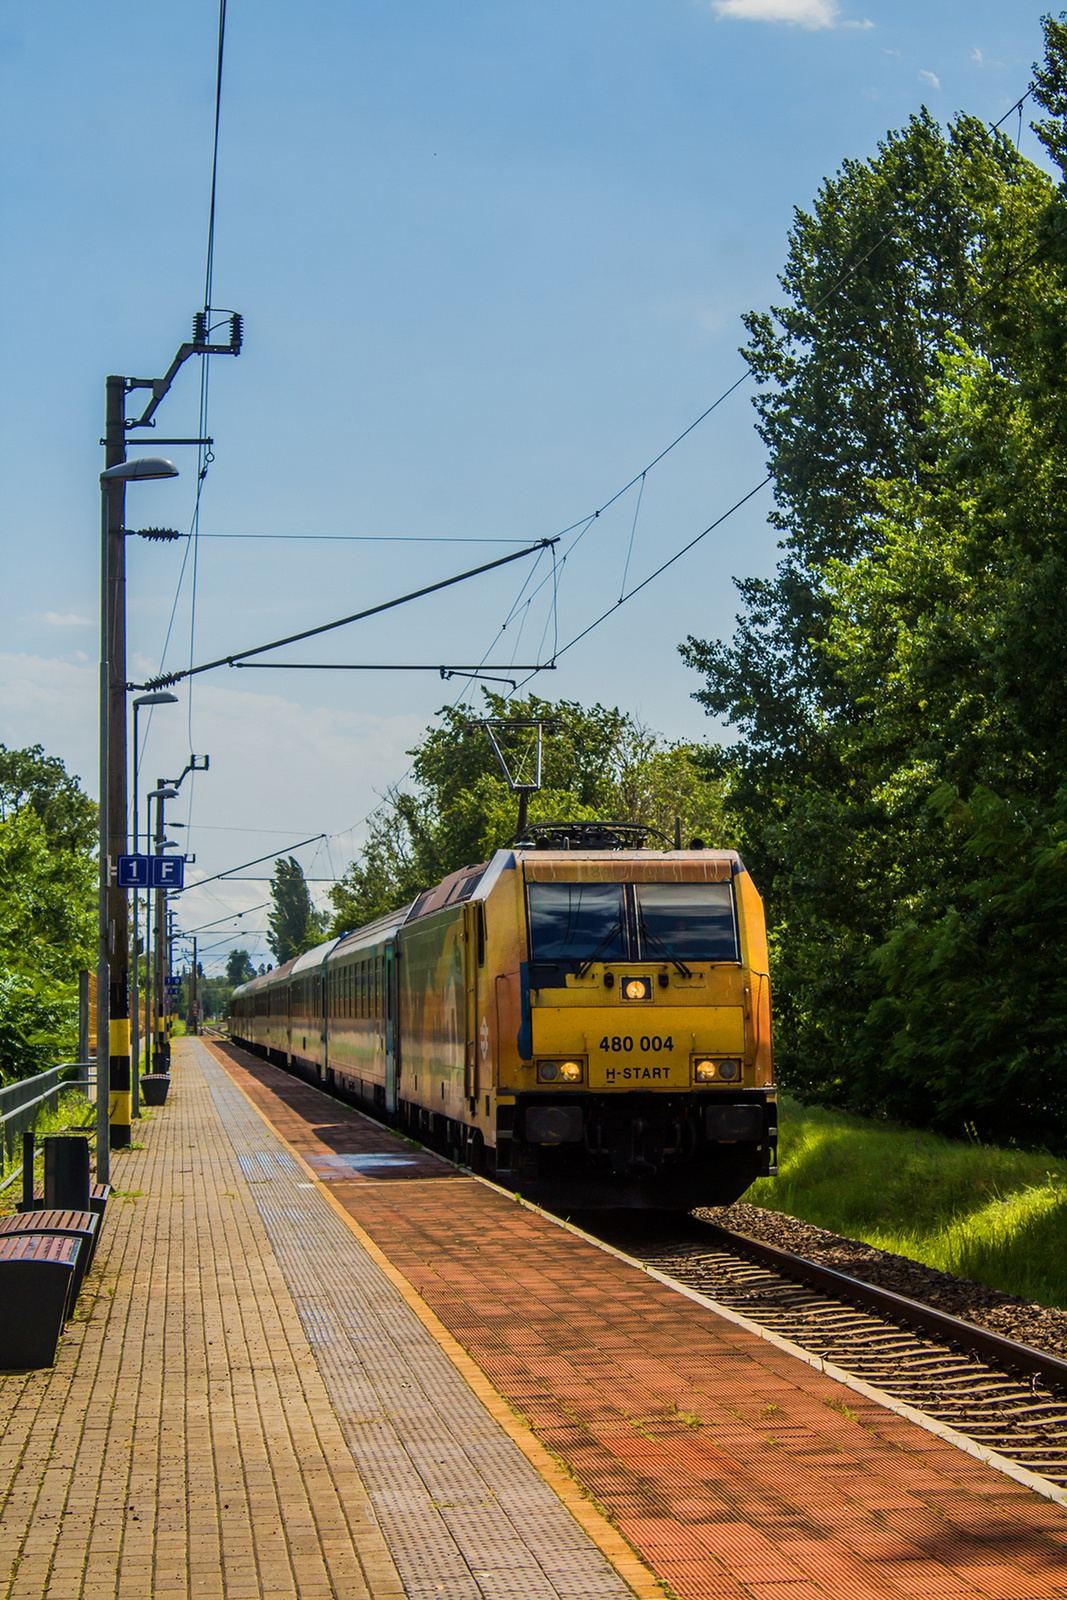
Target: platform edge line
(941, 1430)
(612, 1544)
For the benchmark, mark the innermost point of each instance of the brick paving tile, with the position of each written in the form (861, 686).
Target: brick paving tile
(183, 1444)
(610, 1368)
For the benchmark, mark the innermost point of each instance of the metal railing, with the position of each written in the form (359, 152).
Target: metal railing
(21, 1104)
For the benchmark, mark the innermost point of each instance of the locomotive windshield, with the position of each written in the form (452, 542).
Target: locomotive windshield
(575, 921)
(688, 921)
(582, 922)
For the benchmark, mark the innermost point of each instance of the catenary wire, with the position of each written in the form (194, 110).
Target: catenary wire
(356, 616)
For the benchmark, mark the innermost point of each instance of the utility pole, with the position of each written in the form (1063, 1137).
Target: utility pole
(121, 1108)
(172, 1006)
(192, 1015)
(160, 1053)
(113, 1085)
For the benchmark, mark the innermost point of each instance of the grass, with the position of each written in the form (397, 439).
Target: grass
(993, 1214)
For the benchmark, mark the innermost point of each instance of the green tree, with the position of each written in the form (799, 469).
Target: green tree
(295, 925)
(47, 934)
(30, 778)
(882, 277)
(598, 764)
(239, 968)
(898, 781)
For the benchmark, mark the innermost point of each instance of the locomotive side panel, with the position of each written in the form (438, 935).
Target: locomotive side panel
(753, 930)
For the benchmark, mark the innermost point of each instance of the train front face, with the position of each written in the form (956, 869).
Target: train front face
(644, 1076)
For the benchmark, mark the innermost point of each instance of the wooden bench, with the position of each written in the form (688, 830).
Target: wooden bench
(36, 1283)
(80, 1225)
(99, 1195)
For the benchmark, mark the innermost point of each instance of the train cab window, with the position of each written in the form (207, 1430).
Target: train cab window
(687, 921)
(577, 922)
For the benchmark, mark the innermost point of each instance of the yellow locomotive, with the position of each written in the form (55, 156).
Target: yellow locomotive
(585, 1020)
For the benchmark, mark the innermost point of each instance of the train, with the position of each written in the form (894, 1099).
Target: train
(583, 1019)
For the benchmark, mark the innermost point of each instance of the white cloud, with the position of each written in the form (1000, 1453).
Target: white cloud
(931, 78)
(68, 620)
(798, 13)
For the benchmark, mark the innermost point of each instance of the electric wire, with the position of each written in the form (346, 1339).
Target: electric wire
(204, 452)
(659, 570)
(238, 656)
(365, 538)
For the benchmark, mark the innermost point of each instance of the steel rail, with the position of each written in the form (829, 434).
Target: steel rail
(992, 1347)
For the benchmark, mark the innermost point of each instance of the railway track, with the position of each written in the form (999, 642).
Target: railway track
(1006, 1396)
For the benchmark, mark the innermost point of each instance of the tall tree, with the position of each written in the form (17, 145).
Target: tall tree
(239, 967)
(896, 783)
(883, 276)
(295, 925)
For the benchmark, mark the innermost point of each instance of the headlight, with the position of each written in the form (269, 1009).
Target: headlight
(707, 1070)
(560, 1071)
(637, 988)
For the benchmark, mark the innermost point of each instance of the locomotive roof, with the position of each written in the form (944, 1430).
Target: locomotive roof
(630, 866)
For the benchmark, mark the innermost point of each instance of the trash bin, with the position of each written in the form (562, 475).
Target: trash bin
(66, 1172)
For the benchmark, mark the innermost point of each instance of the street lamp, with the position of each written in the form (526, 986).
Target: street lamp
(161, 697)
(113, 1010)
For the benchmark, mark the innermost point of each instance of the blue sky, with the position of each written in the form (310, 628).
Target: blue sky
(492, 258)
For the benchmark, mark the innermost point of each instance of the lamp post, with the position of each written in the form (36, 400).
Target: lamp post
(161, 697)
(112, 963)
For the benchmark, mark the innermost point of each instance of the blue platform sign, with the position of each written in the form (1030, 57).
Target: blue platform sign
(133, 872)
(168, 872)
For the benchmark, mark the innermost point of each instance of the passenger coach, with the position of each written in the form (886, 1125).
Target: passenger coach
(590, 1026)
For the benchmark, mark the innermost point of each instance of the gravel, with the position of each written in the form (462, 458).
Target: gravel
(1042, 1327)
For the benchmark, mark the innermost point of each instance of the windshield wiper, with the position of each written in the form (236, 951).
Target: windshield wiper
(613, 931)
(646, 933)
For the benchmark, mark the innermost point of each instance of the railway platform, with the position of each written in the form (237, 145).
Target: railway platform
(319, 1362)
